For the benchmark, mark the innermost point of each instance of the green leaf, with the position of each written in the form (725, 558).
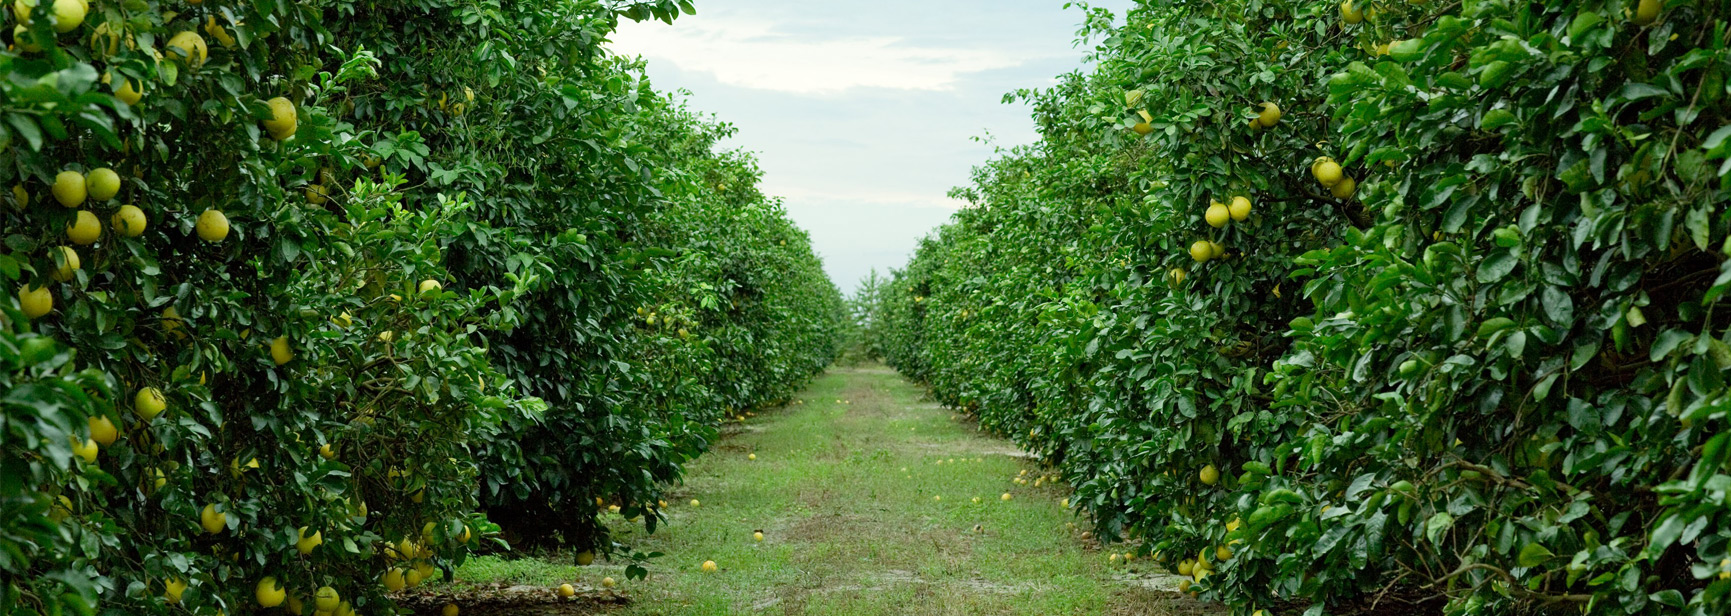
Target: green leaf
(1533, 555)
(1437, 525)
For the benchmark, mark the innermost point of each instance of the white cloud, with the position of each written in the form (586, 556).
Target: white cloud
(756, 54)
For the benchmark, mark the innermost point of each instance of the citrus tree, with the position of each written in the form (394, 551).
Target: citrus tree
(1455, 346)
(298, 289)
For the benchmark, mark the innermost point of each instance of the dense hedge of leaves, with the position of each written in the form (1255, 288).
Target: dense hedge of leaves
(485, 268)
(1490, 378)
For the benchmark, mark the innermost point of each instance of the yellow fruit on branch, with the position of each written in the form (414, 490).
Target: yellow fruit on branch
(129, 92)
(69, 188)
(1645, 13)
(149, 403)
(326, 599)
(212, 226)
(102, 184)
(1217, 215)
(429, 286)
(189, 47)
(85, 449)
(212, 520)
(1175, 276)
(129, 221)
(1350, 13)
(394, 580)
(1269, 116)
(1239, 209)
(1215, 250)
(269, 593)
(20, 197)
(66, 264)
(1209, 475)
(1201, 251)
(217, 32)
(35, 301)
(305, 544)
(102, 430)
(1326, 171)
(172, 589)
(326, 452)
(283, 122)
(85, 228)
(1344, 189)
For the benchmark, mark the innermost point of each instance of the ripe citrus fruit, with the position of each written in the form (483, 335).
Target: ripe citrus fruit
(269, 593)
(566, 591)
(1351, 14)
(282, 123)
(709, 566)
(1215, 250)
(189, 47)
(212, 520)
(1344, 189)
(1327, 172)
(758, 536)
(694, 502)
(607, 582)
(326, 599)
(1201, 251)
(67, 263)
(430, 286)
(450, 609)
(35, 301)
(102, 430)
(326, 452)
(1209, 475)
(1217, 215)
(1223, 553)
(86, 450)
(1005, 497)
(305, 543)
(1270, 115)
(1645, 12)
(128, 221)
(129, 91)
(149, 403)
(69, 188)
(102, 184)
(1175, 276)
(212, 226)
(1240, 208)
(585, 558)
(394, 580)
(279, 351)
(172, 589)
(20, 197)
(85, 228)
(68, 15)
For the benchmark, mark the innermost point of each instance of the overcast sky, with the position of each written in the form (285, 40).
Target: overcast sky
(865, 113)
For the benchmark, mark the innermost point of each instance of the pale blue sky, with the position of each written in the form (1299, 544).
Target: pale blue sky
(863, 113)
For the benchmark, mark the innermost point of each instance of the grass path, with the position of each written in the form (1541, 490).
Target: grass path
(866, 496)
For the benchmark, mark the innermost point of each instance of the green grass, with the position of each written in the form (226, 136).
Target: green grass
(847, 531)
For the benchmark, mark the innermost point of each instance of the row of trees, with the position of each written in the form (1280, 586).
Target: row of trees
(312, 296)
(1457, 345)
